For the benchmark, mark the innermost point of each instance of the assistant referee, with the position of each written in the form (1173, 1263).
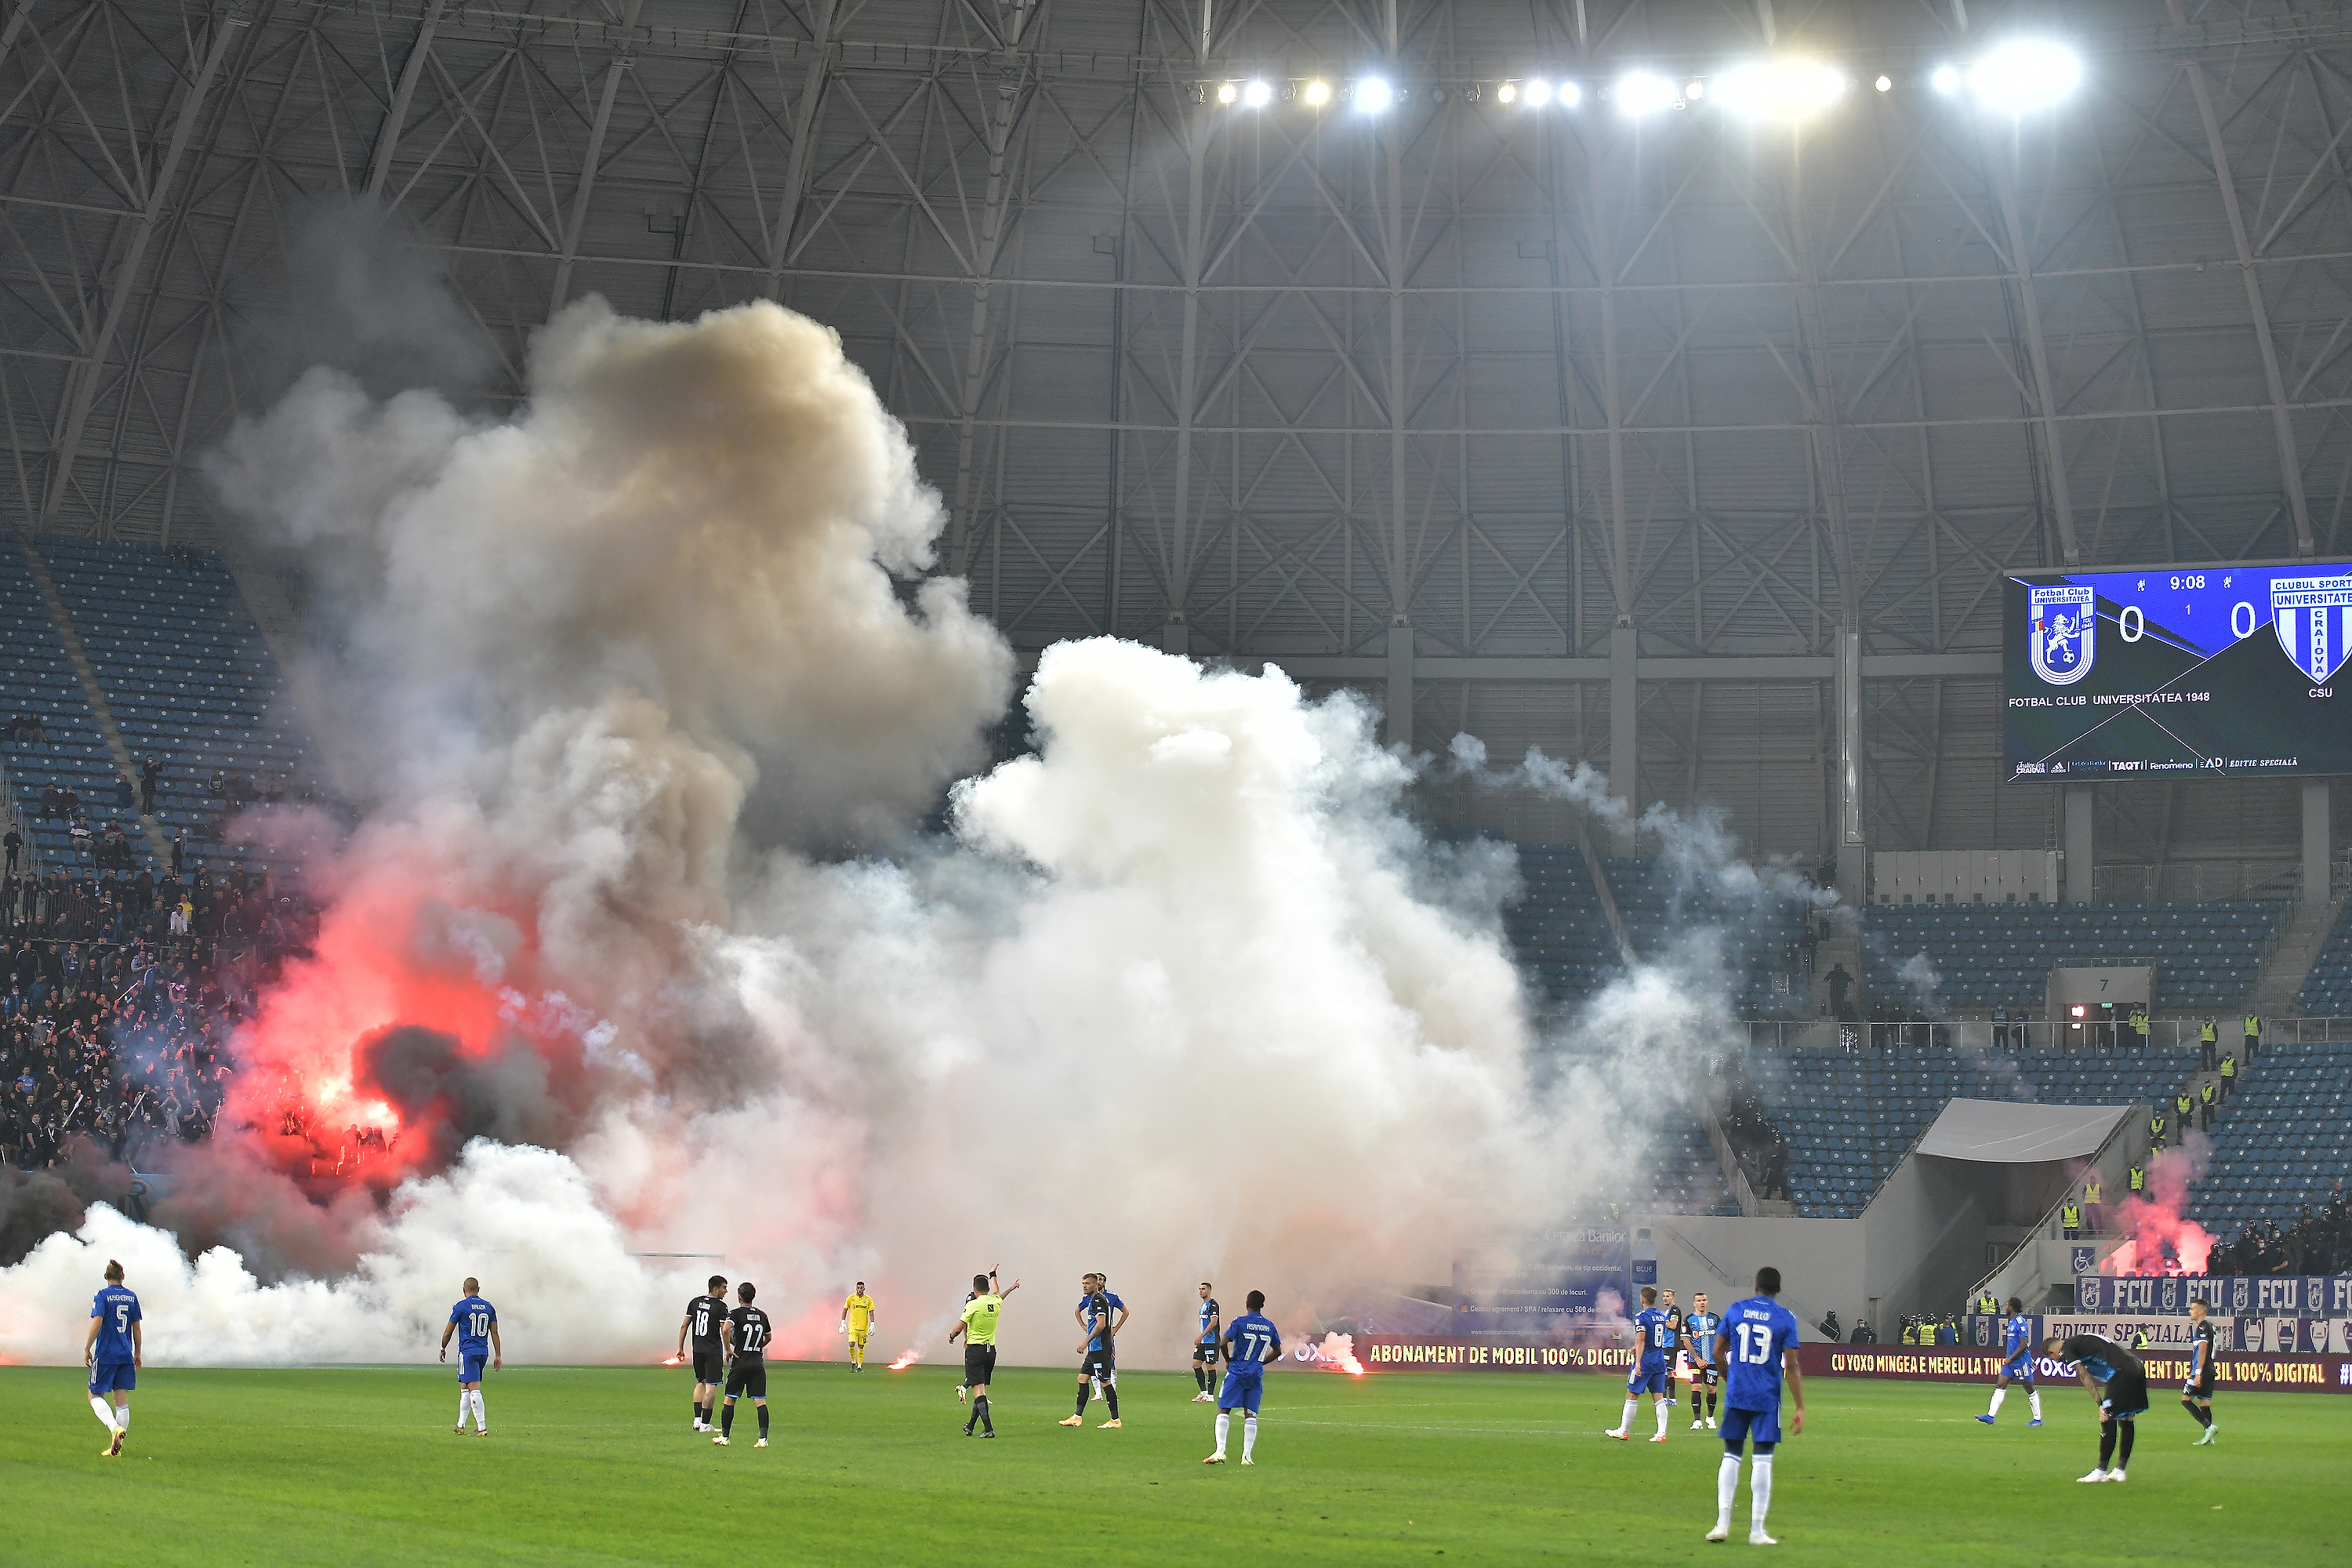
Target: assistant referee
(977, 1332)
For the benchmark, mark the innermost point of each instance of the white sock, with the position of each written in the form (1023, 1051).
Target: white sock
(1759, 1492)
(465, 1404)
(105, 1411)
(1625, 1422)
(1998, 1395)
(1726, 1489)
(122, 1417)
(1224, 1425)
(1662, 1417)
(1249, 1435)
(481, 1416)
(2033, 1400)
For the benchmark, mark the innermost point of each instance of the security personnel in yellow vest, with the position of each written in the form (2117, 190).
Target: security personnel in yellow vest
(2138, 1180)
(2205, 1107)
(2254, 1035)
(2139, 1026)
(2071, 1219)
(2207, 1033)
(1987, 1306)
(2229, 1076)
(2091, 1215)
(2156, 1131)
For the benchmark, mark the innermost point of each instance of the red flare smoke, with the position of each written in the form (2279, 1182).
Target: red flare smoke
(906, 1358)
(2157, 1239)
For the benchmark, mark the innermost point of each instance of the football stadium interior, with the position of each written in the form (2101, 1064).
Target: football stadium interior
(1728, 460)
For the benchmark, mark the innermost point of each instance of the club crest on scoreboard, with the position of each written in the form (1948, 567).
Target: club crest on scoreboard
(2064, 632)
(2312, 616)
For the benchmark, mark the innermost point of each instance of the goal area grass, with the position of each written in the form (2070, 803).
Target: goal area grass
(358, 1465)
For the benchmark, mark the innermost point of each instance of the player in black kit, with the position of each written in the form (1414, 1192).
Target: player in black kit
(704, 1315)
(745, 1334)
(2116, 1377)
(2197, 1389)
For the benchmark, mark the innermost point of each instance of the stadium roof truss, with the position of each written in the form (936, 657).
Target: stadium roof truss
(1560, 425)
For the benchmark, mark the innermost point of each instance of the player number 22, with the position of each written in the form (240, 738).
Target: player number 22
(1755, 1344)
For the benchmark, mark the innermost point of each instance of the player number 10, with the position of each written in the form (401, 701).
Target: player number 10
(1755, 1344)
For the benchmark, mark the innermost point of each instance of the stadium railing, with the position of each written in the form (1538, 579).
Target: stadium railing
(2176, 1036)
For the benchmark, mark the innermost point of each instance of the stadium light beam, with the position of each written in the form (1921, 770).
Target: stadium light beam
(1257, 94)
(1639, 94)
(1787, 90)
(1945, 80)
(2023, 75)
(1374, 96)
(1568, 94)
(1227, 91)
(1539, 93)
(1508, 93)
(1318, 93)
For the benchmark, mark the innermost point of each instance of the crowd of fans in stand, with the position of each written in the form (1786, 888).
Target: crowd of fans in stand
(1756, 1141)
(2312, 1243)
(117, 995)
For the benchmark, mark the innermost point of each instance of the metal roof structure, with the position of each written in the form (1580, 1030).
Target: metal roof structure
(1684, 442)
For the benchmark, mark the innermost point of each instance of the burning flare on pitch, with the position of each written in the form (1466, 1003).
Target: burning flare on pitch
(906, 1358)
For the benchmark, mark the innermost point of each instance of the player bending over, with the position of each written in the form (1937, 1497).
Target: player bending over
(1100, 1367)
(1755, 1344)
(1650, 1367)
(1204, 1345)
(705, 1316)
(1698, 1335)
(1250, 1343)
(2017, 1337)
(745, 1336)
(476, 1323)
(2197, 1390)
(978, 1332)
(113, 1349)
(2118, 1381)
(857, 1320)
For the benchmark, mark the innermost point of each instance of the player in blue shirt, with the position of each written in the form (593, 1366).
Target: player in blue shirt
(1204, 1344)
(1698, 1335)
(113, 1350)
(1755, 1344)
(476, 1323)
(1101, 1314)
(1653, 1366)
(2017, 1348)
(1250, 1342)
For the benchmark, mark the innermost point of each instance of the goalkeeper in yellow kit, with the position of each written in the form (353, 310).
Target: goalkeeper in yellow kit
(857, 1322)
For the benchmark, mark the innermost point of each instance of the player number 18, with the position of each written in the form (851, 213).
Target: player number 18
(1755, 1344)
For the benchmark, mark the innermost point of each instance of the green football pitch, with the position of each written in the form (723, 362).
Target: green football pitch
(597, 1465)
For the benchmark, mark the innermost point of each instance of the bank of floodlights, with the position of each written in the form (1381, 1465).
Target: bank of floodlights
(2015, 77)
(1782, 90)
(1638, 94)
(1373, 95)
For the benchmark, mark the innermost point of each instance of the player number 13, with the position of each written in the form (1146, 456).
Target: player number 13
(1755, 1342)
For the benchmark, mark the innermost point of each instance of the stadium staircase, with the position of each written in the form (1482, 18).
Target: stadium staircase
(39, 680)
(2326, 988)
(100, 712)
(2278, 989)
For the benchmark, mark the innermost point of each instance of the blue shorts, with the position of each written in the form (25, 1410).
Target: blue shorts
(1242, 1390)
(1647, 1380)
(1740, 1425)
(2019, 1370)
(107, 1376)
(469, 1367)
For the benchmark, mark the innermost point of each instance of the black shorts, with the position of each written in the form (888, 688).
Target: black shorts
(1704, 1376)
(1205, 1352)
(1103, 1365)
(2124, 1394)
(748, 1375)
(2200, 1390)
(709, 1365)
(978, 1364)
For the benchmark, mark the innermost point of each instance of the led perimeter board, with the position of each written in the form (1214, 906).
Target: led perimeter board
(2178, 669)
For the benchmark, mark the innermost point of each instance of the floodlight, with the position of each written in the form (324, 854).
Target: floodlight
(1568, 94)
(1640, 93)
(2023, 75)
(1374, 96)
(1539, 93)
(1945, 80)
(1227, 91)
(1694, 90)
(1782, 90)
(1508, 93)
(1884, 83)
(1318, 93)
(1257, 94)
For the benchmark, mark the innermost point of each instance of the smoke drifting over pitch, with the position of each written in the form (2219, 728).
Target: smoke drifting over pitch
(1184, 995)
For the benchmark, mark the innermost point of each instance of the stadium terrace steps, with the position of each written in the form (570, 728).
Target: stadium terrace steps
(2284, 1138)
(38, 678)
(2327, 989)
(1559, 928)
(2000, 955)
(2278, 988)
(1849, 1117)
(1761, 936)
(79, 658)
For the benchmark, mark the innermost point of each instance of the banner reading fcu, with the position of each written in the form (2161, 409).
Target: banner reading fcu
(2178, 669)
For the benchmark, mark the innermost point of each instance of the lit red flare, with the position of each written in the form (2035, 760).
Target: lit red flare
(906, 1358)
(673, 1360)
